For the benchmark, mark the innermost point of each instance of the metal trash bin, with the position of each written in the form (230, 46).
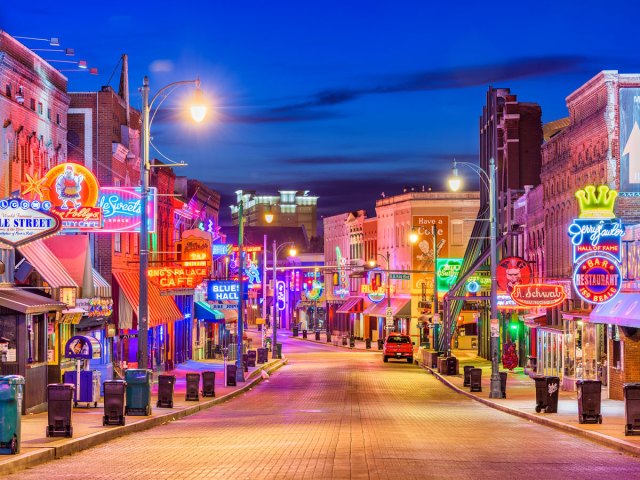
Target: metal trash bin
(251, 358)
(547, 390)
(138, 391)
(209, 383)
(60, 399)
(114, 391)
(467, 375)
(352, 341)
(367, 343)
(503, 384)
(452, 366)
(193, 383)
(589, 394)
(278, 351)
(304, 334)
(245, 362)
(10, 413)
(631, 408)
(166, 385)
(231, 375)
(475, 380)
(344, 341)
(262, 355)
(295, 331)
(541, 392)
(380, 344)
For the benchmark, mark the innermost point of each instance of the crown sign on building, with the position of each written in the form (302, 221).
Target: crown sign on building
(598, 205)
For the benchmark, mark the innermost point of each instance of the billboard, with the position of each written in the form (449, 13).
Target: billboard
(422, 252)
(629, 140)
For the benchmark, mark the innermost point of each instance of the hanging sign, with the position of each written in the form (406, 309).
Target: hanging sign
(251, 268)
(177, 277)
(341, 289)
(597, 278)
(512, 271)
(23, 221)
(194, 250)
(73, 191)
(505, 302)
(313, 286)
(376, 287)
(219, 290)
(281, 290)
(538, 295)
(595, 235)
(122, 207)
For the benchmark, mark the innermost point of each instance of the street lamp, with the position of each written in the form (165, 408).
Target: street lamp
(455, 183)
(292, 253)
(143, 307)
(372, 263)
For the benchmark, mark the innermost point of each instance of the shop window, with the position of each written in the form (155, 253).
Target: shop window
(8, 332)
(117, 242)
(36, 339)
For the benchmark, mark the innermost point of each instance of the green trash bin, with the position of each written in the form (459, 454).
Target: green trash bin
(138, 392)
(10, 413)
(278, 351)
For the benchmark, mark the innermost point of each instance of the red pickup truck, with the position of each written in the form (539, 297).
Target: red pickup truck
(399, 346)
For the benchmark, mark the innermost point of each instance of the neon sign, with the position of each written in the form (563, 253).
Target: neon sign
(538, 295)
(342, 290)
(312, 286)
(251, 267)
(597, 278)
(596, 236)
(178, 277)
(598, 205)
(281, 290)
(122, 207)
(219, 290)
(23, 221)
(447, 271)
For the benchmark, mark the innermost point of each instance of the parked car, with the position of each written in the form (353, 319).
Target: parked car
(399, 346)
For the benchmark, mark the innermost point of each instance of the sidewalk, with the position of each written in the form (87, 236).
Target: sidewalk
(336, 341)
(88, 430)
(521, 401)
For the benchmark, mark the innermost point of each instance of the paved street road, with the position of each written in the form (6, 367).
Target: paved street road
(341, 414)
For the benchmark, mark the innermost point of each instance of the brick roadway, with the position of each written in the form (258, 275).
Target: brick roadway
(333, 413)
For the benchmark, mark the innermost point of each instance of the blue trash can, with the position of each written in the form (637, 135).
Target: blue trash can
(138, 391)
(10, 413)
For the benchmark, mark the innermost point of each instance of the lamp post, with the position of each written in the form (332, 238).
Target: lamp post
(292, 253)
(490, 179)
(239, 324)
(198, 111)
(372, 263)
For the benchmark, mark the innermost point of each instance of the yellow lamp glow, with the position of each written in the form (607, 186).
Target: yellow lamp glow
(198, 107)
(413, 237)
(293, 252)
(372, 263)
(455, 182)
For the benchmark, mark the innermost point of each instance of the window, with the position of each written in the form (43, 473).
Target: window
(58, 118)
(49, 113)
(128, 243)
(117, 246)
(7, 91)
(33, 104)
(37, 339)
(40, 108)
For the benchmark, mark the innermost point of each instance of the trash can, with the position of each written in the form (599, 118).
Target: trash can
(10, 413)
(367, 343)
(475, 380)
(452, 366)
(547, 390)
(541, 392)
(208, 383)
(114, 391)
(503, 384)
(60, 399)
(442, 365)
(467, 375)
(318, 336)
(344, 341)
(352, 341)
(380, 344)
(631, 408)
(245, 362)
(166, 385)
(262, 355)
(304, 334)
(193, 383)
(295, 331)
(231, 375)
(278, 351)
(328, 338)
(251, 358)
(589, 401)
(138, 391)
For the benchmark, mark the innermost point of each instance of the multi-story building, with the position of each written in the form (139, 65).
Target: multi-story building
(291, 208)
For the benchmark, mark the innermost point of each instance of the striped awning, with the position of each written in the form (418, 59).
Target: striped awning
(352, 305)
(204, 312)
(47, 264)
(162, 308)
(400, 307)
(101, 287)
(27, 302)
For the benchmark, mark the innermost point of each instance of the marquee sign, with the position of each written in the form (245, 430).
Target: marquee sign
(597, 278)
(219, 290)
(595, 235)
(177, 277)
(23, 221)
(538, 295)
(73, 192)
(512, 271)
(122, 208)
(195, 248)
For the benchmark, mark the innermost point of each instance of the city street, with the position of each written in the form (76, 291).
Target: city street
(333, 413)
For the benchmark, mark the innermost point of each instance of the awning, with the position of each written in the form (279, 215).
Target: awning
(623, 310)
(535, 320)
(352, 305)
(401, 307)
(101, 288)
(230, 316)
(204, 312)
(162, 308)
(47, 264)
(26, 302)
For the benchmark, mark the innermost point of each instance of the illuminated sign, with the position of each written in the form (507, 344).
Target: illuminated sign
(597, 278)
(312, 286)
(629, 140)
(596, 236)
(219, 290)
(538, 295)
(596, 205)
(73, 192)
(281, 290)
(195, 248)
(422, 251)
(96, 307)
(221, 249)
(447, 271)
(512, 271)
(342, 289)
(122, 207)
(177, 277)
(375, 286)
(505, 302)
(22, 221)
(251, 267)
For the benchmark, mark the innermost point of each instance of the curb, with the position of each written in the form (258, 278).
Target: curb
(331, 344)
(577, 431)
(45, 454)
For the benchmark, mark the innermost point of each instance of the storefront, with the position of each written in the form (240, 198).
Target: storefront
(349, 317)
(532, 322)
(208, 328)
(549, 348)
(401, 313)
(183, 330)
(584, 349)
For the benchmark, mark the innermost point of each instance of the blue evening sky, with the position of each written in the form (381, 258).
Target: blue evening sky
(346, 99)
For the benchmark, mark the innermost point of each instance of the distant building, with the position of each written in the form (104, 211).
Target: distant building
(290, 209)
